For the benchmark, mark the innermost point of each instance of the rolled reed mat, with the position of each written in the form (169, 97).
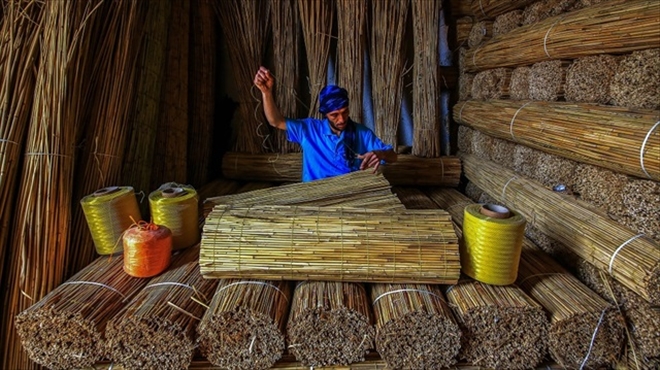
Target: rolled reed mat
(330, 243)
(415, 329)
(157, 328)
(507, 22)
(175, 206)
(243, 328)
(109, 212)
(492, 84)
(588, 79)
(636, 83)
(147, 249)
(482, 31)
(330, 323)
(519, 89)
(492, 242)
(547, 80)
(65, 329)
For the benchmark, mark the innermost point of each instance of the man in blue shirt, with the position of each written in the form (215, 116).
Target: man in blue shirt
(332, 146)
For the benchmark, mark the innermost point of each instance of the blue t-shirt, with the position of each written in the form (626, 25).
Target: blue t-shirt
(324, 153)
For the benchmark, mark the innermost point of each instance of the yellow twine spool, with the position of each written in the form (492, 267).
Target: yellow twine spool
(177, 208)
(493, 237)
(109, 212)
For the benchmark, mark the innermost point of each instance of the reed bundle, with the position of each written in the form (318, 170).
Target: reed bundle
(547, 80)
(481, 32)
(636, 82)
(519, 89)
(552, 170)
(630, 259)
(525, 160)
(615, 138)
(415, 329)
(411, 170)
(66, 328)
(640, 199)
(588, 79)
(465, 82)
(600, 187)
(37, 250)
(141, 141)
(543, 9)
(330, 243)
(489, 9)
(492, 84)
(463, 28)
(245, 25)
(426, 110)
(330, 323)
(413, 198)
(316, 20)
(286, 51)
(387, 56)
(507, 22)
(459, 8)
(351, 45)
(610, 27)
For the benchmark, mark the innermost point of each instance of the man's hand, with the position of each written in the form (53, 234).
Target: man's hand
(369, 159)
(263, 80)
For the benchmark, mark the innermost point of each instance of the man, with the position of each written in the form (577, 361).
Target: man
(332, 146)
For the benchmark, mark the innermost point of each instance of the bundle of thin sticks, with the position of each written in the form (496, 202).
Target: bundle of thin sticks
(329, 243)
(629, 258)
(482, 31)
(157, 327)
(351, 44)
(543, 9)
(620, 139)
(492, 84)
(65, 329)
(615, 26)
(519, 88)
(547, 80)
(243, 328)
(507, 22)
(465, 81)
(463, 28)
(415, 327)
(588, 79)
(636, 82)
(330, 323)
(488, 9)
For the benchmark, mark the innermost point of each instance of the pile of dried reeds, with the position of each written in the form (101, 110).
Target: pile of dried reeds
(465, 81)
(65, 329)
(507, 22)
(330, 243)
(491, 84)
(243, 328)
(415, 329)
(157, 327)
(519, 88)
(488, 9)
(543, 9)
(387, 56)
(588, 79)
(330, 323)
(636, 82)
(481, 31)
(547, 80)
(616, 138)
(615, 26)
(630, 259)
(351, 45)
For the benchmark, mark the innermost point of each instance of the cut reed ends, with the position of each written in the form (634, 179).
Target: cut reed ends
(465, 81)
(547, 80)
(507, 22)
(330, 324)
(519, 89)
(491, 84)
(588, 79)
(415, 327)
(482, 31)
(636, 83)
(543, 9)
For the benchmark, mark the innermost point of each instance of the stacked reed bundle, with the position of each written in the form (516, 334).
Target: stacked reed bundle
(614, 26)
(465, 82)
(426, 87)
(481, 32)
(387, 56)
(544, 9)
(330, 323)
(547, 80)
(316, 20)
(507, 22)
(329, 243)
(157, 327)
(525, 160)
(286, 51)
(636, 83)
(413, 198)
(245, 26)
(519, 89)
(411, 170)
(640, 199)
(588, 79)
(66, 329)
(37, 251)
(463, 28)
(600, 187)
(459, 8)
(415, 329)
(630, 259)
(616, 138)
(465, 135)
(552, 170)
(243, 327)
(491, 84)
(488, 9)
(351, 44)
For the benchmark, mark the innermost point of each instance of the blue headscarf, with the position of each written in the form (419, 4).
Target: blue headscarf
(332, 97)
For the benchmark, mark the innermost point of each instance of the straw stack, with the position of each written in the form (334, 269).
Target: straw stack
(65, 329)
(544, 9)
(243, 328)
(604, 136)
(157, 328)
(601, 241)
(415, 327)
(615, 26)
(519, 89)
(636, 83)
(330, 323)
(507, 22)
(588, 79)
(488, 9)
(481, 31)
(351, 44)
(547, 80)
(491, 84)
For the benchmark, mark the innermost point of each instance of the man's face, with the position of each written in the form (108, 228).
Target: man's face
(338, 119)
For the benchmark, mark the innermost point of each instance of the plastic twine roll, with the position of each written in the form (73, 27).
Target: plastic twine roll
(177, 208)
(492, 245)
(109, 212)
(147, 249)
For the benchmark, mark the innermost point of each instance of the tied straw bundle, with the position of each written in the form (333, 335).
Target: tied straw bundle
(482, 31)
(540, 10)
(547, 80)
(488, 9)
(588, 79)
(491, 84)
(463, 28)
(351, 44)
(65, 329)
(636, 82)
(465, 81)
(156, 329)
(519, 88)
(329, 323)
(507, 22)
(243, 328)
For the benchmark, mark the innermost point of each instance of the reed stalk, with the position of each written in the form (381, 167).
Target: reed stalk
(351, 46)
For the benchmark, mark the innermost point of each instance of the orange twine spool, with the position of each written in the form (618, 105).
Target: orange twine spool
(147, 249)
